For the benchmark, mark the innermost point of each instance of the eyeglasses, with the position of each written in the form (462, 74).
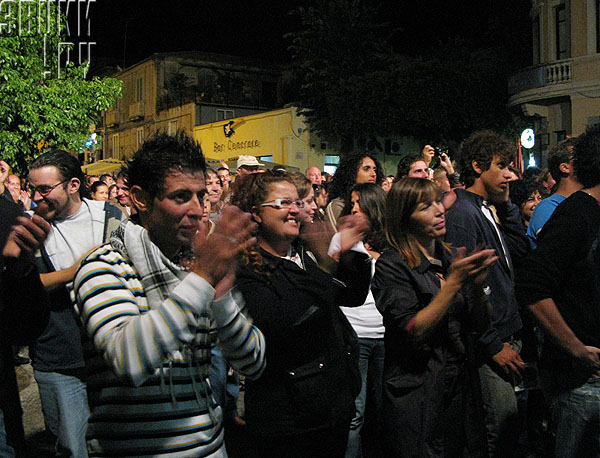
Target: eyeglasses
(43, 189)
(278, 204)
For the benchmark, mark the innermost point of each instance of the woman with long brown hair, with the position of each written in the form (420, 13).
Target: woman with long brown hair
(417, 289)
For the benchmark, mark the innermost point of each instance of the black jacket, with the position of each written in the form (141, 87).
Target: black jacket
(415, 373)
(311, 377)
(24, 310)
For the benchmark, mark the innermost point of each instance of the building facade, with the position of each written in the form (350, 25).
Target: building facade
(560, 94)
(284, 137)
(172, 91)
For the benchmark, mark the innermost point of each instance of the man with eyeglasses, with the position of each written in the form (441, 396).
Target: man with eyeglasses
(78, 225)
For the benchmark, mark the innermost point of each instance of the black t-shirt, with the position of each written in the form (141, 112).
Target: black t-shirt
(560, 269)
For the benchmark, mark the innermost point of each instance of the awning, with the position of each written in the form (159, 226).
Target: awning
(103, 166)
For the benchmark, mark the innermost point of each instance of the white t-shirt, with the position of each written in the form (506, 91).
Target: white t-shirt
(366, 319)
(74, 236)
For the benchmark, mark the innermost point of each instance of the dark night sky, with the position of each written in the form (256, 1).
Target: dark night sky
(255, 29)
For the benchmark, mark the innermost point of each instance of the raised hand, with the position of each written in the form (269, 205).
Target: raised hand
(215, 254)
(26, 236)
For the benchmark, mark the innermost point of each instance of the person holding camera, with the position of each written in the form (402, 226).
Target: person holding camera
(436, 158)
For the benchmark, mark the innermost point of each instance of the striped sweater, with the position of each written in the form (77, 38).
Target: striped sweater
(147, 383)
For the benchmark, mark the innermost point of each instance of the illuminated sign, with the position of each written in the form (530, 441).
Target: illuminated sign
(528, 138)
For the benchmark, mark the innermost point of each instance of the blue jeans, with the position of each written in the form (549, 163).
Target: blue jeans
(501, 413)
(224, 393)
(576, 414)
(6, 450)
(371, 370)
(66, 411)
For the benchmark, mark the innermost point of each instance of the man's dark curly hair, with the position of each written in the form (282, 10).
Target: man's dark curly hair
(345, 175)
(482, 146)
(161, 155)
(559, 154)
(586, 159)
(404, 165)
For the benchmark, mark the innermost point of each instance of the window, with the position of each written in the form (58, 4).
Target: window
(139, 89)
(224, 114)
(265, 158)
(139, 136)
(536, 40)
(561, 29)
(172, 128)
(331, 163)
(115, 146)
(597, 25)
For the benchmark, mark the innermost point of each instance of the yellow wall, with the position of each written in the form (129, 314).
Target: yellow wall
(279, 133)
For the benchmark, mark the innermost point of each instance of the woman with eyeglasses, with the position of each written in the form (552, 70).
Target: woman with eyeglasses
(417, 286)
(302, 404)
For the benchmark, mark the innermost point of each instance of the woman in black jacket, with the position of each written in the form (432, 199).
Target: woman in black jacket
(416, 288)
(303, 403)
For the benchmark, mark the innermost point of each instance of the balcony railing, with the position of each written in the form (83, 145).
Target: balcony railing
(136, 110)
(540, 76)
(559, 72)
(112, 118)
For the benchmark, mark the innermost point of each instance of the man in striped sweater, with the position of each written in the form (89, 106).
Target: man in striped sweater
(152, 301)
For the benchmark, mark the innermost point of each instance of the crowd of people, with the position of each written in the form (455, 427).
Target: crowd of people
(449, 310)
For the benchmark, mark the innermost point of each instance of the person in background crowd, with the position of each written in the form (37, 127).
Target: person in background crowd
(107, 179)
(99, 191)
(560, 284)
(524, 193)
(470, 222)
(78, 225)
(440, 177)
(112, 193)
(214, 191)
(560, 165)
(24, 310)
(354, 169)
(247, 165)
(326, 177)
(20, 197)
(225, 177)
(365, 429)
(4, 191)
(313, 173)
(547, 180)
(302, 404)
(321, 199)
(123, 193)
(411, 166)
(90, 180)
(306, 192)
(169, 300)
(417, 289)
(387, 183)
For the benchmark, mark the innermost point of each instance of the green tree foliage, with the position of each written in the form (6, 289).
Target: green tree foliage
(353, 85)
(342, 56)
(44, 104)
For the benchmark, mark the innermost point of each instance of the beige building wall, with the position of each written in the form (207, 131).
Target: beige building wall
(560, 97)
